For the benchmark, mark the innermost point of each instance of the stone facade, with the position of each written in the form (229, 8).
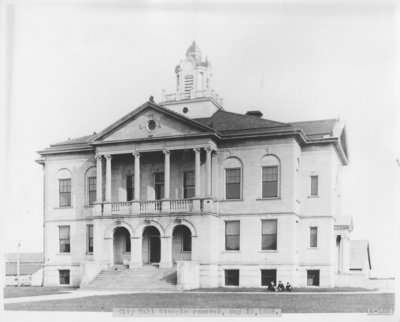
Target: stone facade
(160, 183)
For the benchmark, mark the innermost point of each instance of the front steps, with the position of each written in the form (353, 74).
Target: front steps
(147, 278)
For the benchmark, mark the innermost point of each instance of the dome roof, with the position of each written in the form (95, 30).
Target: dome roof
(193, 50)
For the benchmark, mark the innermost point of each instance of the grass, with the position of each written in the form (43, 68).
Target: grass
(296, 290)
(13, 291)
(288, 303)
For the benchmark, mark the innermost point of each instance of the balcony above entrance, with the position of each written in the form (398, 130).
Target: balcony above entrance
(133, 208)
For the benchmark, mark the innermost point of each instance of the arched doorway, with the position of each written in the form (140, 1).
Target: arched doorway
(122, 246)
(151, 250)
(181, 243)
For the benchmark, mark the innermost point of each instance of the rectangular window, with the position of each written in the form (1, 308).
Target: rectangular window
(232, 177)
(159, 185)
(232, 235)
(268, 276)
(188, 184)
(313, 277)
(269, 234)
(64, 276)
(90, 238)
(270, 182)
(92, 190)
(64, 238)
(313, 236)
(314, 185)
(232, 277)
(64, 189)
(130, 189)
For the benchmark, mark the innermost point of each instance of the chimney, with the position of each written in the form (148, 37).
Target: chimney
(255, 113)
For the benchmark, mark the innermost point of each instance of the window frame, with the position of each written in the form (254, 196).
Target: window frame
(314, 191)
(67, 276)
(277, 181)
(238, 236)
(184, 194)
(311, 237)
(89, 228)
(276, 234)
(89, 185)
(318, 280)
(156, 183)
(240, 183)
(132, 188)
(61, 193)
(265, 270)
(68, 251)
(226, 277)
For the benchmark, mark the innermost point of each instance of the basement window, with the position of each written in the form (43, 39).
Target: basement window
(231, 277)
(313, 277)
(64, 276)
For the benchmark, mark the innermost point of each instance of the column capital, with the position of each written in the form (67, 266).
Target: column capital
(98, 157)
(108, 156)
(136, 154)
(196, 150)
(167, 152)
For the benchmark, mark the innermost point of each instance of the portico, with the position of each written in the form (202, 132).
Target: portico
(148, 174)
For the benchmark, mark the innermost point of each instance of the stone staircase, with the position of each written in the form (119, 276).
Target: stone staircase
(147, 278)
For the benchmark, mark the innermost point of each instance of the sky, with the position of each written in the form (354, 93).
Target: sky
(75, 67)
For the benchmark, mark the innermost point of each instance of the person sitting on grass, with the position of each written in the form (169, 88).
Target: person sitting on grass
(271, 287)
(281, 287)
(289, 287)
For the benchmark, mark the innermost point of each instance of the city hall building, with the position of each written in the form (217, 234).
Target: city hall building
(187, 188)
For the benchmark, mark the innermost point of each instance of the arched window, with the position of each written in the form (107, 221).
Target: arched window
(270, 166)
(233, 178)
(90, 182)
(64, 188)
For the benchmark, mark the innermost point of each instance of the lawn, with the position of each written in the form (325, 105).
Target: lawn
(296, 290)
(23, 291)
(288, 303)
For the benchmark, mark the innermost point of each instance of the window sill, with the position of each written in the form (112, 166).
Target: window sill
(89, 254)
(88, 206)
(228, 200)
(317, 196)
(268, 251)
(66, 207)
(64, 253)
(269, 198)
(231, 251)
(311, 248)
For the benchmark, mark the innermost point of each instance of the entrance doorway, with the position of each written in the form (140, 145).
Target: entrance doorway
(122, 246)
(181, 244)
(151, 245)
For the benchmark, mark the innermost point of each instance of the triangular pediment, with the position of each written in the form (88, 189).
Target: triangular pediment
(151, 121)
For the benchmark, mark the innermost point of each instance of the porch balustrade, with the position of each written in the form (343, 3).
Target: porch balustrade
(181, 205)
(155, 206)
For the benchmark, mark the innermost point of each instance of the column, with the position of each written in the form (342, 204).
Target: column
(209, 176)
(197, 172)
(108, 178)
(167, 154)
(99, 177)
(137, 175)
(136, 252)
(166, 252)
